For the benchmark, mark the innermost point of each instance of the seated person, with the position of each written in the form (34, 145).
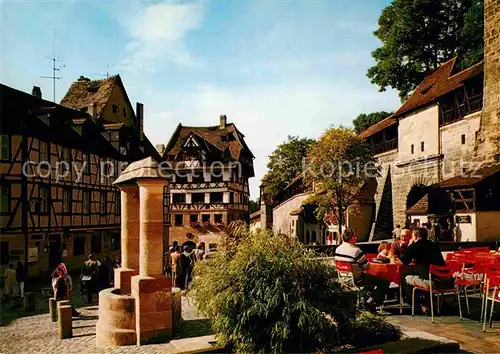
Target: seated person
(383, 249)
(424, 253)
(397, 249)
(349, 253)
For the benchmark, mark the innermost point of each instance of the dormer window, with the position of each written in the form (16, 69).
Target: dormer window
(124, 112)
(227, 137)
(115, 108)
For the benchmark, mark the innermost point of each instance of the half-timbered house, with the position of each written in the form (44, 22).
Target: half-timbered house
(57, 167)
(209, 189)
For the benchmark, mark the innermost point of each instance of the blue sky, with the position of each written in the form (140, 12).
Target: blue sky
(275, 68)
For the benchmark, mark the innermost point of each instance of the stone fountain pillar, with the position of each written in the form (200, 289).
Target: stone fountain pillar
(129, 238)
(152, 290)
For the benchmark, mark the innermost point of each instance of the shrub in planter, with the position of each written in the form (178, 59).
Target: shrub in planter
(369, 330)
(267, 293)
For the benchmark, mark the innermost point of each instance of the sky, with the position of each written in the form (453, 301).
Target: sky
(274, 68)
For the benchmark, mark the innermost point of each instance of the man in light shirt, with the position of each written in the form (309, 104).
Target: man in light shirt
(348, 252)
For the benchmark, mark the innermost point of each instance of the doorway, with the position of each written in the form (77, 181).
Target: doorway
(54, 251)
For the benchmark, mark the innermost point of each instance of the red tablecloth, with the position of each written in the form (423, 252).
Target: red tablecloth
(387, 271)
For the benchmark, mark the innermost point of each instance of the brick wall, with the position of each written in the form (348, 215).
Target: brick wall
(488, 149)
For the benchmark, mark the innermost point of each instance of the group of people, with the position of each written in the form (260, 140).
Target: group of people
(97, 275)
(419, 250)
(14, 280)
(442, 231)
(179, 263)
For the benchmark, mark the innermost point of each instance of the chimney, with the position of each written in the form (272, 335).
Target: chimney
(223, 122)
(488, 140)
(139, 111)
(37, 92)
(160, 148)
(92, 110)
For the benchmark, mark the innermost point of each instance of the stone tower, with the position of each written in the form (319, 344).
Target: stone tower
(488, 143)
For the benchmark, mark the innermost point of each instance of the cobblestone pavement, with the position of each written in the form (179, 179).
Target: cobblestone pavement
(468, 333)
(37, 334)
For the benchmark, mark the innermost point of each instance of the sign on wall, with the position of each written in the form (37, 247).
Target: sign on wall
(32, 254)
(463, 219)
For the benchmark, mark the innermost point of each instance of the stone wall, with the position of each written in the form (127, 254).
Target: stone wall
(488, 149)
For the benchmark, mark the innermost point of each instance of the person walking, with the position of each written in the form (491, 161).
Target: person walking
(89, 276)
(174, 259)
(63, 286)
(396, 233)
(10, 283)
(185, 267)
(20, 277)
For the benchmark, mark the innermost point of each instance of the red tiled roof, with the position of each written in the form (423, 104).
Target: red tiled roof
(377, 127)
(421, 207)
(438, 83)
(85, 92)
(472, 177)
(212, 135)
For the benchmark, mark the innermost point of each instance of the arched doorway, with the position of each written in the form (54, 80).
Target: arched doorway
(416, 193)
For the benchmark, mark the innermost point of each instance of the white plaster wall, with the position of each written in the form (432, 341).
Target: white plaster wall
(415, 128)
(422, 219)
(281, 213)
(468, 231)
(456, 154)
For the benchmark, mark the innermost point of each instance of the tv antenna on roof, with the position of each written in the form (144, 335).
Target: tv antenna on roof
(104, 75)
(54, 77)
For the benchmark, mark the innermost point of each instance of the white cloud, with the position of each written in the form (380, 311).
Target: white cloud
(158, 34)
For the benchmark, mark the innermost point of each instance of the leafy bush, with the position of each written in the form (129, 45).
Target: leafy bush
(267, 293)
(371, 330)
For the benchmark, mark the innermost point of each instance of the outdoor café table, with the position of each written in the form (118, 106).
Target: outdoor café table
(391, 272)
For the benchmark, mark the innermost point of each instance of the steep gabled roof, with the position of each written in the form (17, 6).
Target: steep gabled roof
(378, 127)
(439, 82)
(472, 177)
(421, 207)
(85, 92)
(213, 136)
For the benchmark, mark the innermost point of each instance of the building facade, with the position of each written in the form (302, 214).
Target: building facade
(209, 187)
(448, 127)
(57, 167)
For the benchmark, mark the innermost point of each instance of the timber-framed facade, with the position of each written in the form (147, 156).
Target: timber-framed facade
(209, 188)
(57, 168)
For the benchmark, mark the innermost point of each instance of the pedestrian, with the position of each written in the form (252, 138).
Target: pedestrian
(184, 268)
(102, 276)
(199, 252)
(396, 233)
(63, 286)
(10, 283)
(174, 260)
(89, 277)
(20, 277)
(167, 261)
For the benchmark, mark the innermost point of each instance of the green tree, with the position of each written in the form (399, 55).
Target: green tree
(417, 35)
(285, 163)
(254, 205)
(363, 121)
(340, 163)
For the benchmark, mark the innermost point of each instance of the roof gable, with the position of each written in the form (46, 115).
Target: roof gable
(84, 92)
(439, 82)
(213, 136)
